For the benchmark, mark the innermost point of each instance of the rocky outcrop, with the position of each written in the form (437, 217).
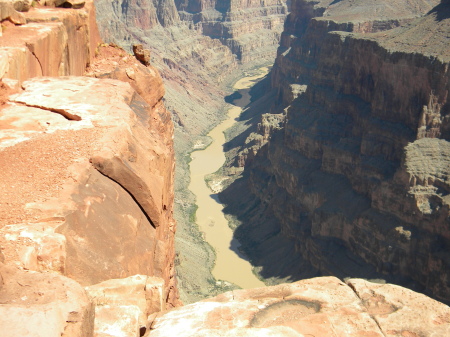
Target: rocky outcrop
(87, 169)
(43, 304)
(316, 307)
(71, 35)
(135, 298)
(355, 182)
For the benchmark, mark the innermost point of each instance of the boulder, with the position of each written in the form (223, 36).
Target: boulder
(141, 54)
(76, 4)
(117, 321)
(9, 12)
(22, 5)
(34, 247)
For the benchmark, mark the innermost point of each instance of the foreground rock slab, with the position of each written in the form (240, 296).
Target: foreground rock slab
(87, 181)
(123, 305)
(316, 307)
(43, 305)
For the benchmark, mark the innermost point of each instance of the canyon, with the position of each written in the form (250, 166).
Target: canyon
(336, 167)
(346, 157)
(200, 48)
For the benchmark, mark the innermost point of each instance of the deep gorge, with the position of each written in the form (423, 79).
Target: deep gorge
(336, 172)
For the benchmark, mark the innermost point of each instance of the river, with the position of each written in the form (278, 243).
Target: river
(230, 264)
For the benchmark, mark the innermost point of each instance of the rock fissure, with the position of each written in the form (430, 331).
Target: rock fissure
(66, 114)
(36, 58)
(100, 168)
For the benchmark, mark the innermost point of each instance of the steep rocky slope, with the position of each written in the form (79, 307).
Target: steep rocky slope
(353, 179)
(87, 196)
(87, 179)
(200, 48)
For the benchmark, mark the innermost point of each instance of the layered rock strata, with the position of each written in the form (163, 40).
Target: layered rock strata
(355, 183)
(251, 29)
(70, 35)
(196, 66)
(316, 307)
(87, 169)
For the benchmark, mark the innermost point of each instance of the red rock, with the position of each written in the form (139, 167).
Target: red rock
(42, 48)
(117, 321)
(141, 54)
(316, 307)
(9, 12)
(43, 304)
(108, 235)
(126, 302)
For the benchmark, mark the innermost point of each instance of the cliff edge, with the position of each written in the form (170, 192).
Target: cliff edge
(322, 306)
(87, 171)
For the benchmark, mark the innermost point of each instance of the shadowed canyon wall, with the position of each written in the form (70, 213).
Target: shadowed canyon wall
(86, 209)
(348, 167)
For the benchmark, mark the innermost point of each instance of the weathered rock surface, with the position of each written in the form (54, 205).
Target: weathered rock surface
(111, 192)
(86, 172)
(143, 55)
(125, 304)
(249, 28)
(316, 307)
(355, 183)
(70, 35)
(43, 304)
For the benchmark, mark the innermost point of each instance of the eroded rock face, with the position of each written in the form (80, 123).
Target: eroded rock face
(71, 35)
(43, 304)
(249, 28)
(123, 305)
(319, 307)
(355, 182)
(78, 153)
(106, 152)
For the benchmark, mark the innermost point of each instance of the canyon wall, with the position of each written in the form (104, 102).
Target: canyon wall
(349, 176)
(200, 49)
(87, 178)
(251, 29)
(86, 210)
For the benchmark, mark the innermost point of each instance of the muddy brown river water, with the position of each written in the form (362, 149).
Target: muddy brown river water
(230, 265)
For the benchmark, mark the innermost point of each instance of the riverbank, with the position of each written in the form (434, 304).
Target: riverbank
(195, 257)
(230, 265)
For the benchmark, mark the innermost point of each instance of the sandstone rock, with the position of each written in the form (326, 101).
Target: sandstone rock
(117, 321)
(76, 4)
(401, 312)
(34, 247)
(28, 56)
(43, 304)
(9, 12)
(145, 294)
(142, 55)
(319, 307)
(107, 234)
(22, 5)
